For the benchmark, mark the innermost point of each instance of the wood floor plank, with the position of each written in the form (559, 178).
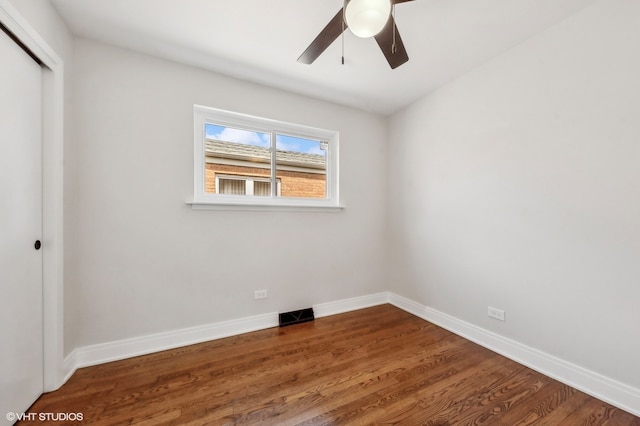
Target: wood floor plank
(540, 405)
(378, 365)
(447, 399)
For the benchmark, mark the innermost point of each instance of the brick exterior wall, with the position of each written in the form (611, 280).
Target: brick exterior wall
(299, 184)
(292, 184)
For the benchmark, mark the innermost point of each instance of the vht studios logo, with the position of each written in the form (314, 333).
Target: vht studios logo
(45, 417)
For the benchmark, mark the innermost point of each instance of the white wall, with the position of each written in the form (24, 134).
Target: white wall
(145, 262)
(517, 186)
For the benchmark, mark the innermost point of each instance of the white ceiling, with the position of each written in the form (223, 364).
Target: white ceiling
(260, 40)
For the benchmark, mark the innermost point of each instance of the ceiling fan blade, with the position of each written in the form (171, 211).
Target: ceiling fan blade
(385, 41)
(327, 36)
(400, 1)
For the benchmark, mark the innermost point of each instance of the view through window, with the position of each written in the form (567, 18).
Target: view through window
(241, 162)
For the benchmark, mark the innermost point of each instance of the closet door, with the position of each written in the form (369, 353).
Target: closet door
(21, 328)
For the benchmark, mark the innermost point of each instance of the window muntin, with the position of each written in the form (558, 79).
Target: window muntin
(302, 161)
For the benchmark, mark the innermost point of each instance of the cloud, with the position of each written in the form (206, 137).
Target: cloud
(246, 137)
(230, 134)
(306, 146)
(316, 150)
(287, 146)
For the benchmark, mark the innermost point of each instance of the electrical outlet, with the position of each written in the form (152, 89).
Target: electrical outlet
(260, 294)
(496, 313)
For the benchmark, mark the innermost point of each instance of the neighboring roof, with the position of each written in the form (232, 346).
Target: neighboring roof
(222, 149)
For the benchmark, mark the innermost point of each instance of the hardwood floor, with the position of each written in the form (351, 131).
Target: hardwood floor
(379, 365)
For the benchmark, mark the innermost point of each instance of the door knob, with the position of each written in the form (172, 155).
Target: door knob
(37, 245)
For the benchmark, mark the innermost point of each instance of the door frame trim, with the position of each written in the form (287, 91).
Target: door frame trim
(52, 191)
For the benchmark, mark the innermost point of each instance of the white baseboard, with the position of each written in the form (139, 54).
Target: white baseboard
(347, 305)
(69, 366)
(587, 381)
(127, 348)
(601, 387)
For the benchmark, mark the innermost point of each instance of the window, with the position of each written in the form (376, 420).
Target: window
(241, 185)
(246, 161)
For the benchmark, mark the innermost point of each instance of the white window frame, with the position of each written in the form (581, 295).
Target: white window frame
(207, 201)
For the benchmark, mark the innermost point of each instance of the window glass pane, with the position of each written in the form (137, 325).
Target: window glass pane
(232, 186)
(262, 189)
(301, 167)
(235, 152)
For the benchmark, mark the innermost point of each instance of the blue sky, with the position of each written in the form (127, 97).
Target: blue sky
(283, 142)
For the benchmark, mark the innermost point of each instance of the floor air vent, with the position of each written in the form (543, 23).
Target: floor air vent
(296, 317)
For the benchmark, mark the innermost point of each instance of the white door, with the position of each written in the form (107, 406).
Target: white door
(21, 346)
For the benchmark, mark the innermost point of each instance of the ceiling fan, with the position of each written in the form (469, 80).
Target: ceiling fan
(365, 18)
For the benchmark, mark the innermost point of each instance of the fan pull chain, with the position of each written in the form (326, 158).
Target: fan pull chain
(344, 8)
(342, 42)
(393, 16)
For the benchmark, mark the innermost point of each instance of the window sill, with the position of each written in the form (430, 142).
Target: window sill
(291, 206)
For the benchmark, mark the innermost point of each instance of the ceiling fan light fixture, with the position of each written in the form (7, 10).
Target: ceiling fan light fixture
(367, 18)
